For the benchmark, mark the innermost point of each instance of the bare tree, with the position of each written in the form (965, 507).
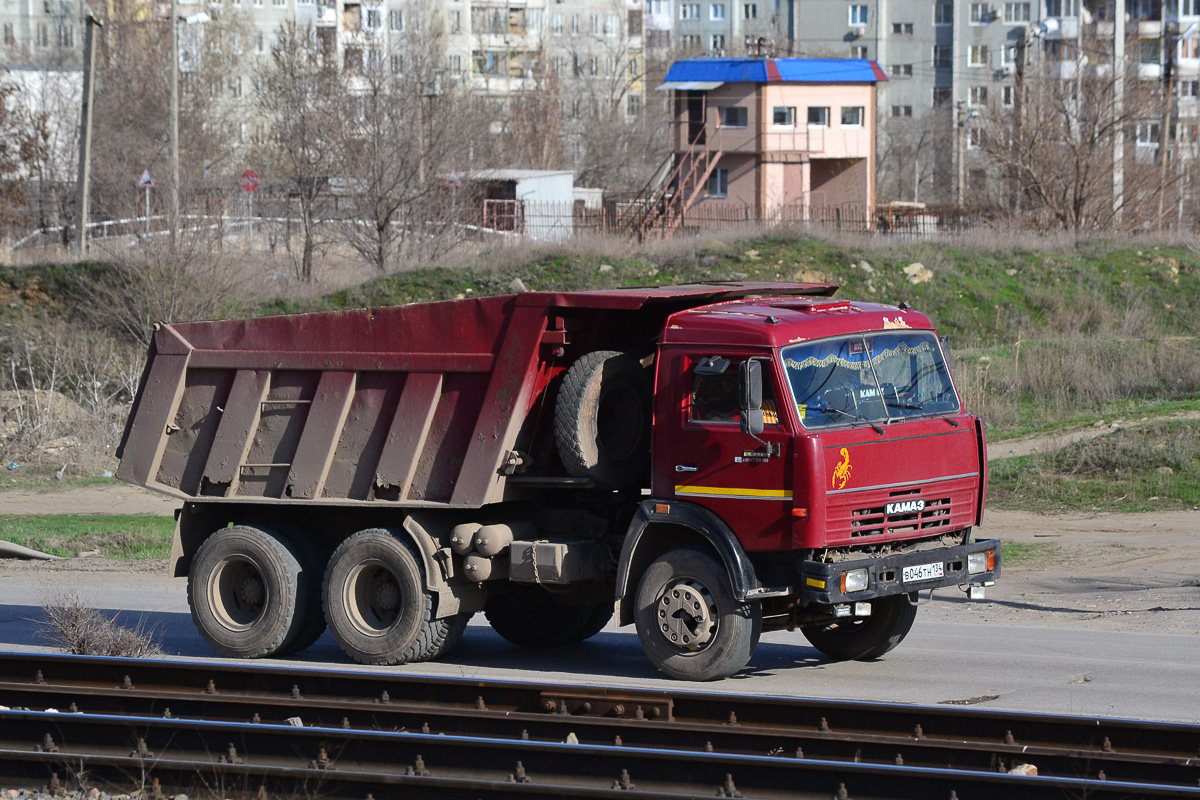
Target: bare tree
(302, 96)
(407, 125)
(1053, 150)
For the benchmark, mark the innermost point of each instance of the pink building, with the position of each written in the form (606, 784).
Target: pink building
(770, 139)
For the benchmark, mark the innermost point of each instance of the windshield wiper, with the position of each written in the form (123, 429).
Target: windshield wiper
(910, 406)
(859, 417)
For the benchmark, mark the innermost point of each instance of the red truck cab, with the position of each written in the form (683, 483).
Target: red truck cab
(827, 438)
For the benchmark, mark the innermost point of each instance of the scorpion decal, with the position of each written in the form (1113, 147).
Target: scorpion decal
(841, 473)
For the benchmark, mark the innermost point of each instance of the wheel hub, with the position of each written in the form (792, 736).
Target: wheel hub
(687, 615)
(251, 591)
(387, 596)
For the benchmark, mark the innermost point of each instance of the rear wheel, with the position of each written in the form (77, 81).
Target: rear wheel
(247, 592)
(313, 557)
(689, 622)
(865, 638)
(531, 616)
(376, 605)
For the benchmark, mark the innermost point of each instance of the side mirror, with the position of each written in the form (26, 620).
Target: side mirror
(750, 395)
(750, 385)
(752, 421)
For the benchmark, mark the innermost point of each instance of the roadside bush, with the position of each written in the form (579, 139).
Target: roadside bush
(81, 630)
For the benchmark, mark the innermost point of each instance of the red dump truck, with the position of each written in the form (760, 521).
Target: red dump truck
(718, 459)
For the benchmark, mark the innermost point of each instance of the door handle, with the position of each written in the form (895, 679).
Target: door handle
(682, 468)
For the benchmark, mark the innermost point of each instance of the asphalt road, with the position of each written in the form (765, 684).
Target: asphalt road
(1044, 669)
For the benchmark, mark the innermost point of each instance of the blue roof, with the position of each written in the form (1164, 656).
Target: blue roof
(773, 70)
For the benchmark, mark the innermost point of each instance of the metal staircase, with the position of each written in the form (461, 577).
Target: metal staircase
(661, 206)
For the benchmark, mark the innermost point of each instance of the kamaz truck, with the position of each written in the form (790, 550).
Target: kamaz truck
(705, 462)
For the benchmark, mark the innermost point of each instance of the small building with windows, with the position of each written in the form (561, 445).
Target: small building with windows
(772, 139)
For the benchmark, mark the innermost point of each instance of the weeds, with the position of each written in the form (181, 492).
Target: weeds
(76, 627)
(129, 537)
(1155, 466)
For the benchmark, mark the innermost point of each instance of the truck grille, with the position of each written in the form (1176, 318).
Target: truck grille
(873, 521)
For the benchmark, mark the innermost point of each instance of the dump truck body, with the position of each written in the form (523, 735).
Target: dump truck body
(741, 446)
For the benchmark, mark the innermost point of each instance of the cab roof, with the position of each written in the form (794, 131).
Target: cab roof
(780, 321)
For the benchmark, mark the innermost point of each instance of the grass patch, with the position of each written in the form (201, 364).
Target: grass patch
(128, 537)
(1153, 467)
(1106, 413)
(1012, 553)
(40, 477)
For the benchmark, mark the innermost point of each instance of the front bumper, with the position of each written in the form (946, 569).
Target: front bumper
(821, 583)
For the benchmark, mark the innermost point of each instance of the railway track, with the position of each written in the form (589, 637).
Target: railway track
(236, 728)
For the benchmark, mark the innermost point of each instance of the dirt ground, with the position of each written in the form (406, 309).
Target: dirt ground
(1119, 572)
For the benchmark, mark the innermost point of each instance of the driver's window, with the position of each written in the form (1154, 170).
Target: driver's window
(714, 398)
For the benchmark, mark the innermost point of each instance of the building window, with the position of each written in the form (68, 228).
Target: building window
(594, 24)
(612, 24)
(1007, 95)
(1147, 134)
(943, 13)
(852, 116)
(574, 24)
(1185, 8)
(689, 11)
(716, 11)
(1188, 90)
(818, 116)
(559, 65)
(942, 95)
(974, 137)
(977, 55)
(43, 35)
(690, 41)
(1016, 13)
(943, 56)
(66, 36)
(374, 19)
(454, 63)
(981, 14)
(235, 87)
(749, 10)
(858, 51)
(901, 70)
(717, 42)
(1066, 8)
(1008, 55)
(784, 117)
(858, 16)
(260, 43)
(633, 105)
(903, 28)
(901, 111)
(658, 7)
(594, 65)
(977, 96)
(610, 65)
(397, 63)
(10, 36)
(556, 25)
(718, 183)
(733, 116)
(1189, 48)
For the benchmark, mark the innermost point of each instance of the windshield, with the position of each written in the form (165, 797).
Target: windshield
(871, 378)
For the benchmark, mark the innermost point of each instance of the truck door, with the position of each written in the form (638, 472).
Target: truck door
(715, 465)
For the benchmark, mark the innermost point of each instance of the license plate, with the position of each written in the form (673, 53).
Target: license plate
(922, 572)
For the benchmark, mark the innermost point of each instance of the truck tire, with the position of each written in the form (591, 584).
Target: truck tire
(598, 617)
(439, 636)
(690, 624)
(863, 639)
(375, 601)
(313, 558)
(248, 592)
(530, 616)
(602, 419)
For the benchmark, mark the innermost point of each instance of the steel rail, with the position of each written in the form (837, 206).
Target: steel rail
(335, 763)
(840, 731)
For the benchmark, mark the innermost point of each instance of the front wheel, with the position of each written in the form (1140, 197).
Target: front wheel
(865, 638)
(690, 624)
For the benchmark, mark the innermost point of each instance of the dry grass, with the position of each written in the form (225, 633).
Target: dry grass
(72, 624)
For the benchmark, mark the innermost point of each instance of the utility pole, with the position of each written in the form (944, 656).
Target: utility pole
(1164, 131)
(85, 133)
(961, 148)
(1119, 110)
(173, 132)
(1018, 117)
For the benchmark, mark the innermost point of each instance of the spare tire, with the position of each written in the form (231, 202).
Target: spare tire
(602, 419)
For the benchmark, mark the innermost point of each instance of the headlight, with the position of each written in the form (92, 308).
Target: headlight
(854, 581)
(978, 562)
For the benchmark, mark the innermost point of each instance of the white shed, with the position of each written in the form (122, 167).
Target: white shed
(537, 203)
